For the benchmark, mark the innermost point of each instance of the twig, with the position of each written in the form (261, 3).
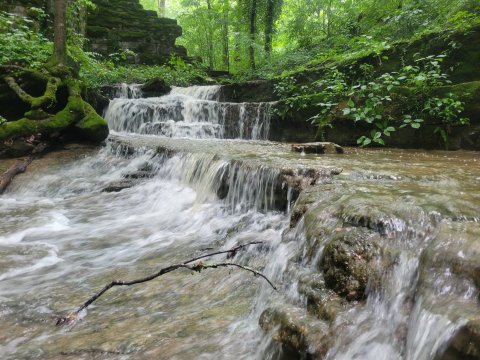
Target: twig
(71, 318)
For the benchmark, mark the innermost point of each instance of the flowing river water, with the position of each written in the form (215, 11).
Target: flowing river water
(184, 174)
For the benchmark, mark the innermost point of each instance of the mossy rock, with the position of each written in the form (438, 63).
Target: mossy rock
(92, 128)
(349, 260)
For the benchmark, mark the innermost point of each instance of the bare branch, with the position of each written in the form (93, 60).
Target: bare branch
(232, 252)
(200, 267)
(72, 317)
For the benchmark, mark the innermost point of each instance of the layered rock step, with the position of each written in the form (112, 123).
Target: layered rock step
(227, 167)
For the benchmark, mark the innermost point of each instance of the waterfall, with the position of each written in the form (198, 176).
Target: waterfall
(240, 186)
(397, 229)
(192, 112)
(128, 91)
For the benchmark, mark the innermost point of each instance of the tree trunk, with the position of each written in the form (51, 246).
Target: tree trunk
(253, 15)
(269, 19)
(60, 32)
(161, 8)
(210, 36)
(225, 35)
(329, 18)
(237, 43)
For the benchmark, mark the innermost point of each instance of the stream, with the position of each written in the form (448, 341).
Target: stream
(186, 174)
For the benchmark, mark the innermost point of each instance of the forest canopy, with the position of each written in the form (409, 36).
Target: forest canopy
(266, 35)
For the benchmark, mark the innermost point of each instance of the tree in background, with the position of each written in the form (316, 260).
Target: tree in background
(60, 32)
(161, 8)
(253, 35)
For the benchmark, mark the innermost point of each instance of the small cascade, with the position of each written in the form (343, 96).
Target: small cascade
(192, 112)
(212, 92)
(241, 187)
(128, 91)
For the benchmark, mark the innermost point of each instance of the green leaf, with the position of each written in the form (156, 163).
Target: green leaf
(350, 103)
(415, 125)
(366, 141)
(361, 139)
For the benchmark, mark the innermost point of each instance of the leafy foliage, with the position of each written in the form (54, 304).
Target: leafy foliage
(362, 96)
(96, 73)
(21, 41)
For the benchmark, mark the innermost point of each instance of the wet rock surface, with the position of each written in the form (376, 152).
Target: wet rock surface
(322, 302)
(348, 262)
(299, 332)
(365, 233)
(453, 257)
(288, 179)
(318, 148)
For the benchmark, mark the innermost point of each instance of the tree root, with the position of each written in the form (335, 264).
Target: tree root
(77, 117)
(192, 264)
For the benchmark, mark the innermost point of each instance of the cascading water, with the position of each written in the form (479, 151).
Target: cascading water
(409, 284)
(193, 112)
(128, 91)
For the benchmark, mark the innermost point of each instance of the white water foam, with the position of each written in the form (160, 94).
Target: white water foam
(191, 113)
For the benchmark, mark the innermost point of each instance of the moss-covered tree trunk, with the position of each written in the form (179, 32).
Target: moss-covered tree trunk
(60, 32)
(47, 120)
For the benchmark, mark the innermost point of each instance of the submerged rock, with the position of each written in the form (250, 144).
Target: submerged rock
(118, 186)
(297, 331)
(324, 303)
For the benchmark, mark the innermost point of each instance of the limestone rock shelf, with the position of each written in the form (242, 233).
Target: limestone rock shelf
(124, 24)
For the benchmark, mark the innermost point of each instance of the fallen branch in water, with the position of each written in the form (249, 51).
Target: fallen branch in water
(19, 167)
(72, 317)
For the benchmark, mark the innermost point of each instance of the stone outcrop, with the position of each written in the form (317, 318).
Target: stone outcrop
(115, 26)
(120, 25)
